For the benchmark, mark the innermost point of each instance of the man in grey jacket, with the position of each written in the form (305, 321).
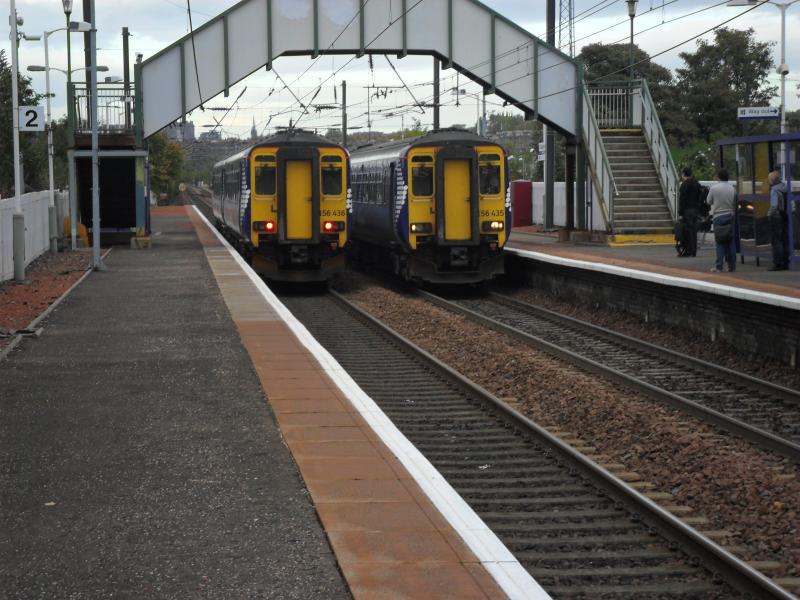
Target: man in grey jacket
(722, 199)
(778, 221)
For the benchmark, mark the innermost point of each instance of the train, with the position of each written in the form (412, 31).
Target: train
(433, 209)
(285, 204)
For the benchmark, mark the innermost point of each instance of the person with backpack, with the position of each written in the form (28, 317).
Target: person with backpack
(778, 221)
(722, 200)
(688, 211)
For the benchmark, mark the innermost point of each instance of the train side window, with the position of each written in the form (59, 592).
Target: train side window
(489, 178)
(266, 178)
(422, 176)
(332, 175)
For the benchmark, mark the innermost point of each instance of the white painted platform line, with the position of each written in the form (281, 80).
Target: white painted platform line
(506, 570)
(683, 282)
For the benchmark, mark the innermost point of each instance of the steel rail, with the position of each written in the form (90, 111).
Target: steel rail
(762, 438)
(721, 562)
(767, 387)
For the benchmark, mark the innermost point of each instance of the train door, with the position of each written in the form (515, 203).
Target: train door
(456, 196)
(299, 200)
(457, 200)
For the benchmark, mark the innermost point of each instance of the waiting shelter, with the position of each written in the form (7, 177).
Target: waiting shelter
(750, 159)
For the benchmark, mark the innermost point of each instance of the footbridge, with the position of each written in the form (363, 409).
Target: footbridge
(465, 35)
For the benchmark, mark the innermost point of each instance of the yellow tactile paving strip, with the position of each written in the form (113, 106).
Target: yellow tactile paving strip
(389, 540)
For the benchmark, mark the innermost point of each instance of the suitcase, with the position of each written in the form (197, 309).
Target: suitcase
(680, 239)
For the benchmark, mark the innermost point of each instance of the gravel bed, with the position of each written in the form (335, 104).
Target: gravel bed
(674, 338)
(46, 279)
(735, 486)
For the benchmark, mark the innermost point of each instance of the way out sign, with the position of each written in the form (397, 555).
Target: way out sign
(31, 118)
(759, 112)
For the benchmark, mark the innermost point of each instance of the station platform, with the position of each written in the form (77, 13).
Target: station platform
(176, 433)
(660, 263)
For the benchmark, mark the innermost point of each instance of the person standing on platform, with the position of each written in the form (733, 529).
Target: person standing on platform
(689, 210)
(778, 221)
(722, 200)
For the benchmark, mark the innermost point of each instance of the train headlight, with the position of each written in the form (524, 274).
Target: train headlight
(268, 226)
(492, 226)
(331, 226)
(421, 228)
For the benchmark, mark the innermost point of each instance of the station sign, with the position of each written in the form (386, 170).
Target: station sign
(759, 112)
(31, 118)
(542, 151)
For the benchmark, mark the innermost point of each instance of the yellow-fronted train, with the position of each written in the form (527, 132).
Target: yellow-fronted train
(285, 205)
(435, 208)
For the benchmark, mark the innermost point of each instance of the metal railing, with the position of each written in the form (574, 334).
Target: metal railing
(659, 148)
(613, 103)
(629, 104)
(599, 166)
(115, 109)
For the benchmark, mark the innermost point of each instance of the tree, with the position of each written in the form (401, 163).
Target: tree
(722, 75)
(166, 164)
(34, 161)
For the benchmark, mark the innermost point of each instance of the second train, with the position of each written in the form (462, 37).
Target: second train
(436, 208)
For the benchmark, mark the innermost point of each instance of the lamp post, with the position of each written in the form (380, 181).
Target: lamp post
(97, 262)
(75, 26)
(631, 14)
(783, 68)
(18, 219)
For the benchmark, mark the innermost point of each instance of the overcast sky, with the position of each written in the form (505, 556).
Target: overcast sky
(157, 23)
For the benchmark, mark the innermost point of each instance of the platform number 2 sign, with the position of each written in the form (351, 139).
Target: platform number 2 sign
(31, 118)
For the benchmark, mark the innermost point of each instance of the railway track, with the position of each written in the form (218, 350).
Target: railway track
(581, 532)
(760, 411)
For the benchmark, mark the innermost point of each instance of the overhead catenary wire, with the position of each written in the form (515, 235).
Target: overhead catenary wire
(194, 53)
(347, 63)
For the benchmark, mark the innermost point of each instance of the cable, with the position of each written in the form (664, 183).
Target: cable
(422, 110)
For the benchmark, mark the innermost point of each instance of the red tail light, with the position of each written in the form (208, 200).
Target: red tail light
(268, 226)
(330, 226)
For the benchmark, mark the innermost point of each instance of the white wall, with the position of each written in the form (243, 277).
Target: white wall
(594, 220)
(37, 235)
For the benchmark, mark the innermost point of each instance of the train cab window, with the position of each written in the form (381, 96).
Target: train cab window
(422, 176)
(332, 175)
(489, 174)
(266, 176)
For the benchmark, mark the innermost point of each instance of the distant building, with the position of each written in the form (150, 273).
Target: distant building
(211, 136)
(181, 132)
(253, 132)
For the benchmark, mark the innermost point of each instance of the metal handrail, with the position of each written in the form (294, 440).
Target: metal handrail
(599, 165)
(659, 147)
(115, 114)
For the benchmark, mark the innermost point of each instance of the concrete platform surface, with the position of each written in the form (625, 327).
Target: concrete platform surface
(664, 260)
(139, 457)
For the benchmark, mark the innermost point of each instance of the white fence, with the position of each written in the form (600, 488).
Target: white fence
(594, 216)
(37, 234)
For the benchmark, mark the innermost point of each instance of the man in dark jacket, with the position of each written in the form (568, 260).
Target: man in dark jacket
(778, 222)
(689, 210)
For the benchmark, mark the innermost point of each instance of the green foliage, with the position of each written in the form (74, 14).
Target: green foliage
(722, 75)
(33, 146)
(166, 164)
(701, 157)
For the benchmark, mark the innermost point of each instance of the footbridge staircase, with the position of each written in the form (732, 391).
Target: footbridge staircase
(634, 178)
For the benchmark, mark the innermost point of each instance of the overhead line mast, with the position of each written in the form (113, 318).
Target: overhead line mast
(566, 26)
